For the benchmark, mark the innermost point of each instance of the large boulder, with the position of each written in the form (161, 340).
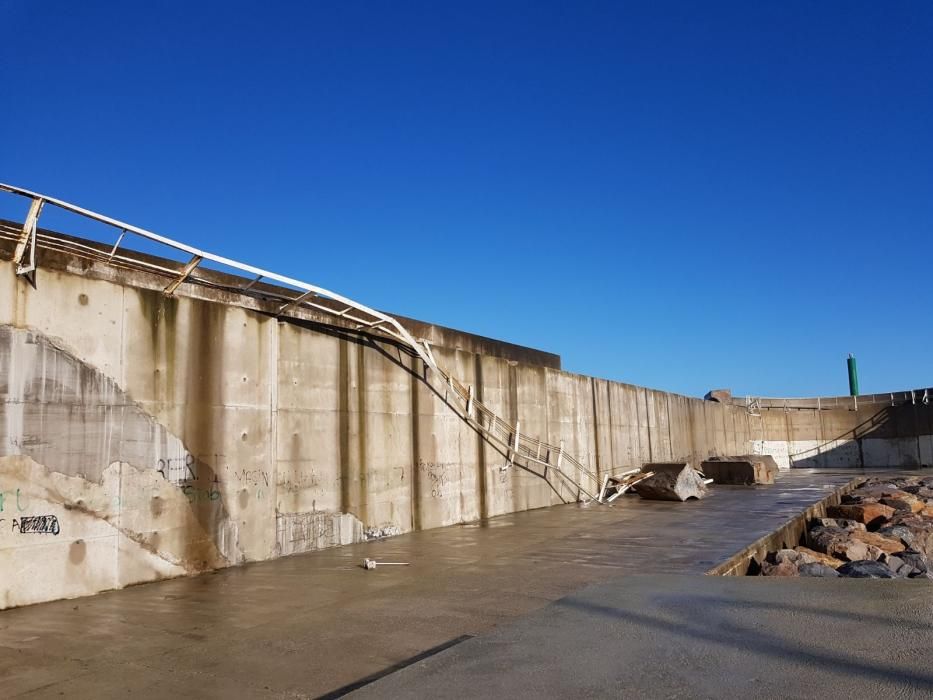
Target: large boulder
(816, 569)
(913, 530)
(811, 556)
(887, 545)
(782, 568)
(671, 482)
(865, 569)
(902, 505)
(836, 543)
(871, 514)
(841, 523)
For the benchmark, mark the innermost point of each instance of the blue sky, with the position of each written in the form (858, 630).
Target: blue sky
(679, 195)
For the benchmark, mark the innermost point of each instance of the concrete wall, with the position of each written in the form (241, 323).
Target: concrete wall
(871, 436)
(145, 436)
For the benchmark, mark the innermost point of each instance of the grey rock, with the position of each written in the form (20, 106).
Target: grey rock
(865, 568)
(837, 543)
(916, 560)
(899, 532)
(818, 570)
(892, 562)
(783, 555)
(841, 523)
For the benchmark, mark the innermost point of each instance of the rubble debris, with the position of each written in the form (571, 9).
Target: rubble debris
(743, 470)
(672, 481)
(879, 531)
(615, 486)
(372, 563)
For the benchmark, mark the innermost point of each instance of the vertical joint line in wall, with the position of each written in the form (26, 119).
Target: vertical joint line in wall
(648, 427)
(274, 416)
(595, 425)
(481, 454)
(670, 434)
(415, 475)
(123, 383)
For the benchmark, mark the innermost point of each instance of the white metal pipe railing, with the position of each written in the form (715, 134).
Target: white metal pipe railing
(507, 437)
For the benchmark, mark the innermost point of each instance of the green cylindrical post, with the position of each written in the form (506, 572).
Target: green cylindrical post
(853, 375)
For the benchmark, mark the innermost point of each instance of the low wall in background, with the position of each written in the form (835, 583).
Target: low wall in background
(863, 435)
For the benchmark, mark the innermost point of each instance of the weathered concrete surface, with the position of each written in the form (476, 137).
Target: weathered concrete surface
(874, 436)
(711, 637)
(307, 625)
(155, 437)
(167, 436)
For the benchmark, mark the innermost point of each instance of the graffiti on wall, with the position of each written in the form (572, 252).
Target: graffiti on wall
(34, 525)
(437, 473)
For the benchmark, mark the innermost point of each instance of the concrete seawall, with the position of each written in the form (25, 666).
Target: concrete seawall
(898, 434)
(144, 436)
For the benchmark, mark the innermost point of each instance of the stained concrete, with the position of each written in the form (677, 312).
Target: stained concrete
(689, 637)
(171, 435)
(307, 625)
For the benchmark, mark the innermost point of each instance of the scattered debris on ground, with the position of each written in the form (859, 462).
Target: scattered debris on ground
(615, 486)
(672, 481)
(372, 563)
(883, 529)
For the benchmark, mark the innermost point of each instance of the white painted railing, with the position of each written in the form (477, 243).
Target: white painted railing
(518, 447)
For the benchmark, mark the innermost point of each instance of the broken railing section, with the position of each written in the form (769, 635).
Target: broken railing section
(27, 241)
(615, 486)
(517, 446)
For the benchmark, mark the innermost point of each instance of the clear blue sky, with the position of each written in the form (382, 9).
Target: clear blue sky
(681, 195)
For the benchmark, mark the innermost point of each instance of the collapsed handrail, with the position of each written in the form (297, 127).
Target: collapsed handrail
(508, 437)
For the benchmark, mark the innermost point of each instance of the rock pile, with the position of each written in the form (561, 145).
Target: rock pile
(883, 529)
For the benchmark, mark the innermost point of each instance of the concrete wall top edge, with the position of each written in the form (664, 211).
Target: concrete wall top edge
(214, 285)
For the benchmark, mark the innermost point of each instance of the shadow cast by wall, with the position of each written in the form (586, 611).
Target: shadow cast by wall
(899, 436)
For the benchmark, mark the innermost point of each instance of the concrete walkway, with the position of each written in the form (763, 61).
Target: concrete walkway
(311, 624)
(696, 637)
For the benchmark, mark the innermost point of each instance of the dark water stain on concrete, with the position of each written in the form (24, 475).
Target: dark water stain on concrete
(156, 506)
(77, 551)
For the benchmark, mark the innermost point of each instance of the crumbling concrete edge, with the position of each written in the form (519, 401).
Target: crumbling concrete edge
(787, 536)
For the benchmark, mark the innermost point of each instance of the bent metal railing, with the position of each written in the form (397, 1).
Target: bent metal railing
(517, 446)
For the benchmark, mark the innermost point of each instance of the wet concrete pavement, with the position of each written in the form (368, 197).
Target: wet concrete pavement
(307, 625)
(696, 637)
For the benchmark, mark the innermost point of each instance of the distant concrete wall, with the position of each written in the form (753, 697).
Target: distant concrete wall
(144, 436)
(871, 436)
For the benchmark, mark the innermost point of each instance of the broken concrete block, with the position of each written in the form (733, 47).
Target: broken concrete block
(719, 395)
(671, 482)
(743, 472)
